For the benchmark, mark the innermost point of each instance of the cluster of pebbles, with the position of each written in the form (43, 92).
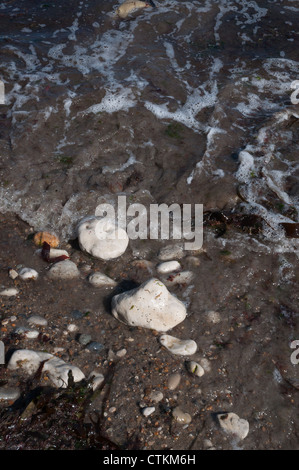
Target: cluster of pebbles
(149, 306)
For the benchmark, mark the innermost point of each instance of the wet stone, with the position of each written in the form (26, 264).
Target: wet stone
(84, 339)
(95, 346)
(9, 393)
(180, 416)
(37, 320)
(174, 381)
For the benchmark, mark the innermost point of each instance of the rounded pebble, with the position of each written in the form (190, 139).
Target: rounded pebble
(28, 273)
(95, 346)
(9, 292)
(37, 320)
(148, 411)
(84, 339)
(174, 381)
(213, 317)
(177, 346)
(168, 267)
(180, 416)
(9, 393)
(195, 368)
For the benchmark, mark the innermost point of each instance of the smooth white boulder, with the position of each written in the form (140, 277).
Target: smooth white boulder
(102, 238)
(98, 279)
(150, 305)
(178, 346)
(232, 424)
(57, 369)
(64, 270)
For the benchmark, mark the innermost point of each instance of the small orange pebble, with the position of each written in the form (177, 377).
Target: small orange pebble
(50, 238)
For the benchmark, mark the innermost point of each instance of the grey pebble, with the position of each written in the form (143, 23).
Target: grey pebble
(95, 346)
(84, 339)
(77, 315)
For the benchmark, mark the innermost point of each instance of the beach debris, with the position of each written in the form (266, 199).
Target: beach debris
(232, 424)
(52, 255)
(150, 305)
(41, 237)
(178, 346)
(130, 6)
(102, 238)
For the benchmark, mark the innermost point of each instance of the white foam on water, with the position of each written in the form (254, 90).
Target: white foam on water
(114, 101)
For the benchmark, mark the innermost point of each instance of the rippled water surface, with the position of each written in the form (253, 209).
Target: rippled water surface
(164, 101)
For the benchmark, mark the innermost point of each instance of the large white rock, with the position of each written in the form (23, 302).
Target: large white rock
(150, 305)
(64, 270)
(232, 424)
(57, 369)
(102, 238)
(178, 346)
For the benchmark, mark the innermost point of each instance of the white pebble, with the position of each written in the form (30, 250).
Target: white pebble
(174, 381)
(28, 273)
(148, 410)
(168, 267)
(195, 368)
(63, 270)
(9, 292)
(121, 353)
(98, 279)
(178, 346)
(72, 327)
(180, 416)
(27, 332)
(232, 424)
(96, 379)
(156, 396)
(184, 277)
(213, 317)
(37, 320)
(13, 273)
